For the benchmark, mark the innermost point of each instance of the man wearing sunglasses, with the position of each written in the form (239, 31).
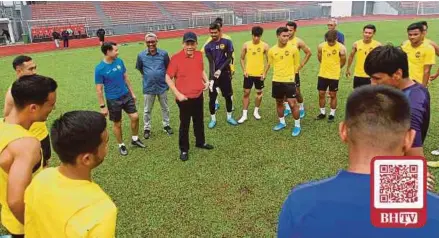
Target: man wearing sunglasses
(152, 64)
(332, 25)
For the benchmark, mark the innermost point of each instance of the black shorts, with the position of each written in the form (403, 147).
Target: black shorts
(360, 81)
(297, 80)
(323, 84)
(283, 90)
(115, 107)
(224, 82)
(250, 80)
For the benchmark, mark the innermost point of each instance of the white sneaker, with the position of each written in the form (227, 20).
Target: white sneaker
(242, 120)
(435, 152)
(256, 115)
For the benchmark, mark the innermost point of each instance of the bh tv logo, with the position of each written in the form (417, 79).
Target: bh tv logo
(398, 192)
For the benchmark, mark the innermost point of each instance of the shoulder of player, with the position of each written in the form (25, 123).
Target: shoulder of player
(161, 51)
(321, 45)
(29, 142)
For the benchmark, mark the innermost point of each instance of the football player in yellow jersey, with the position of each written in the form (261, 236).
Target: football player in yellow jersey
(253, 60)
(332, 58)
(363, 47)
(421, 56)
(301, 45)
(282, 58)
(219, 21)
(64, 201)
(24, 65)
(34, 98)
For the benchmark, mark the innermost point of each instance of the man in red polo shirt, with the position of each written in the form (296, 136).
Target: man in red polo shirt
(187, 70)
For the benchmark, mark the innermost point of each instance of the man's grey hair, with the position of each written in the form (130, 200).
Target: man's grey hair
(150, 34)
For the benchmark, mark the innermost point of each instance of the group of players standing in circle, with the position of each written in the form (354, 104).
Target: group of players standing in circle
(80, 138)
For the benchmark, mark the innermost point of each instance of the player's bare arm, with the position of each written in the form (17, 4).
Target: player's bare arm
(351, 59)
(127, 81)
(101, 100)
(342, 56)
(266, 49)
(302, 46)
(9, 103)
(319, 53)
(435, 46)
(427, 70)
(20, 172)
(243, 53)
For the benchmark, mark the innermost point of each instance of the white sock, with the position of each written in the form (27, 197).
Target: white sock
(229, 115)
(332, 112)
(135, 138)
(323, 111)
(256, 109)
(297, 123)
(282, 120)
(213, 117)
(301, 106)
(244, 113)
(122, 144)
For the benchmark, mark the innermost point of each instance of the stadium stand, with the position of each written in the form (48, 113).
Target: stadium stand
(183, 10)
(131, 12)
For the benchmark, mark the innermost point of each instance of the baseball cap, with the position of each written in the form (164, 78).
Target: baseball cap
(189, 36)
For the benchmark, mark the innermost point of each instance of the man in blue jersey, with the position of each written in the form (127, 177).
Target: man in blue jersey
(377, 122)
(332, 25)
(388, 65)
(111, 76)
(219, 53)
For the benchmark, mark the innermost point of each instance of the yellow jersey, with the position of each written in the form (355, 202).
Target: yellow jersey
(283, 63)
(57, 206)
(419, 57)
(225, 36)
(255, 58)
(363, 50)
(330, 65)
(297, 57)
(8, 134)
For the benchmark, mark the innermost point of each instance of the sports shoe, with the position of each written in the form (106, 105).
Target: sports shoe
(232, 121)
(331, 118)
(168, 130)
(433, 164)
(138, 143)
(205, 146)
(217, 106)
(296, 131)
(321, 116)
(287, 112)
(435, 152)
(184, 156)
(211, 124)
(146, 134)
(242, 120)
(302, 114)
(257, 116)
(123, 150)
(279, 127)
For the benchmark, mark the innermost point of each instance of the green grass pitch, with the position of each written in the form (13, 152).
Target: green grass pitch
(237, 189)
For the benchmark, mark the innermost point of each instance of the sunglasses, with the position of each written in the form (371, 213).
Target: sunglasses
(151, 42)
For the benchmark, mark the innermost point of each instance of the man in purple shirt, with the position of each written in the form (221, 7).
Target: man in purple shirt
(388, 65)
(219, 52)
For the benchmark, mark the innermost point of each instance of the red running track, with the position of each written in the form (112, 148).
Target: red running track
(89, 42)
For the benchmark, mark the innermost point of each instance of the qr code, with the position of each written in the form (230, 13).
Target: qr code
(399, 184)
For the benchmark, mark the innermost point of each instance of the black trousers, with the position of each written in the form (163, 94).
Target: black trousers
(192, 108)
(66, 42)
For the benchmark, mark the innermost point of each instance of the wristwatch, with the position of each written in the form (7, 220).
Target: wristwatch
(102, 106)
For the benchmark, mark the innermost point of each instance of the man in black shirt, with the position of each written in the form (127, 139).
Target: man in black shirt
(65, 37)
(56, 36)
(101, 34)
